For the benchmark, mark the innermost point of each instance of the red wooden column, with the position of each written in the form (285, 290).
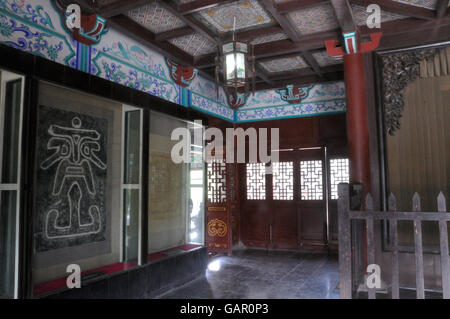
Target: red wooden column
(357, 126)
(355, 88)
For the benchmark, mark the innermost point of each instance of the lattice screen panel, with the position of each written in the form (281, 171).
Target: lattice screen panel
(339, 173)
(311, 180)
(283, 181)
(256, 181)
(217, 174)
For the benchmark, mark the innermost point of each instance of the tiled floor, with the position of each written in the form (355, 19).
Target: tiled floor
(265, 274)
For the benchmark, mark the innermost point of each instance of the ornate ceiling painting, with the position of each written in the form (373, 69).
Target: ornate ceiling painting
(429, 4)
(360, 15)
(314, 19)
(324, 59)
(194, 44)
(269, 38)
(284, 64)
(248, 13)
(155, 18)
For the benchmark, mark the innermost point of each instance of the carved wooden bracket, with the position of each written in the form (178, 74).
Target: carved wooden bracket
(399, 70)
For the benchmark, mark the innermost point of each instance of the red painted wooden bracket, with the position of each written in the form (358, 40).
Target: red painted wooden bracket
(333, 49)
(373, 44)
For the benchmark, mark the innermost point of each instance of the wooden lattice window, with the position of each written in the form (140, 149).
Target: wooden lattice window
(283, 181)
(217, 191)
(256, 181)
(339, 173)
(311, 180)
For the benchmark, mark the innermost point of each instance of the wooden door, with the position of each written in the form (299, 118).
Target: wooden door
(282, 200)
(312, 216)
(218, 209)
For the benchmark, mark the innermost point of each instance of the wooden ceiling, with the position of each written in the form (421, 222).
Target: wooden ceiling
(288, 35)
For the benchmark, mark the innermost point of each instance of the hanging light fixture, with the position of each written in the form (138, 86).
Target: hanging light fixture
(238, 65)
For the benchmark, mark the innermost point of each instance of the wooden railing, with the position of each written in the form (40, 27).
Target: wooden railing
(369, 216)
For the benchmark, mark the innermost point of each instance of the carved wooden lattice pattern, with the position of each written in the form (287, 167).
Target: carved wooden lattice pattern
(311, 180)
(339, 173)
(217, 192)
(256, 181)
(283, 181)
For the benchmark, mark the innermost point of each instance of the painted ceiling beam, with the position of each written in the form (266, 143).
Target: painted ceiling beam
(289, 6)
(199, 5)
(441, 8)
(179, 32)
(146, 37)
(344, 15)
(399, 8)
(301, 81)
(279, 48)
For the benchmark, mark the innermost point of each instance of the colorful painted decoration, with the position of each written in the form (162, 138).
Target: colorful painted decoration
(294, 95)
(181, 75)
(352, 44)
(92, 27)
(237, 100)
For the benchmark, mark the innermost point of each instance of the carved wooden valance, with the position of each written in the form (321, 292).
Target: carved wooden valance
(400, 69)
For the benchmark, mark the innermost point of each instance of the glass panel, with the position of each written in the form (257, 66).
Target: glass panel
(196, 177)
(231, 66)
(240, 65)
(196, 215)
(7, 242)
(256, 181)
(311, 180)
(283, 181)
(168, 187)
(339, 173)
(132, 147)
(11, 132)
(131, 224)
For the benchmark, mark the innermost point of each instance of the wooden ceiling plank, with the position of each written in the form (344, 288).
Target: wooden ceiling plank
(441, 8)
(179, 32)
(289, 6)
(119, 7)
(190, 21)
(199, 5)
(344, 15)
(308, 57)
(399, 8)
(282, 21)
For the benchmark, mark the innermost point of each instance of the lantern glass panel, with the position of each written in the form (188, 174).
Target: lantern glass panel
(230, 66)
(240, 65)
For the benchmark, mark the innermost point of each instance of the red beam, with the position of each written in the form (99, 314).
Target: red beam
(289, 6)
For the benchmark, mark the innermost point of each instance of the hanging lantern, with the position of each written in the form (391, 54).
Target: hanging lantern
(238, 65)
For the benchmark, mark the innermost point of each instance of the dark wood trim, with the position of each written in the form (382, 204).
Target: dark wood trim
(145, 182)
(282, 21)
(441, 8)
(119, 7)
(179, 32)
(190, 21)
(289, 6)
(344, 15)
(399, 8)
(199, 5)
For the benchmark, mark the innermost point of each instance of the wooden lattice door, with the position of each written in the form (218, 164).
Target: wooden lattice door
(218, 208)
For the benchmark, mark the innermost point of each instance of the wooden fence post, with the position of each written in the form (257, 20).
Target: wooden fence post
(418, 252)
(395, 291)
(345, 250)
(443, 235)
